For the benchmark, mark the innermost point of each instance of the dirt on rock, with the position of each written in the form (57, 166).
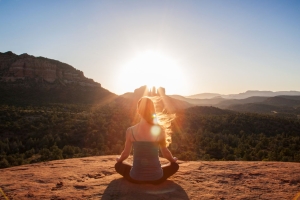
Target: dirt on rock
(95, 178)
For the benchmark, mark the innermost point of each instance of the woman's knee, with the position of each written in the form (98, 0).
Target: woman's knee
(175, 166)
(117, 166)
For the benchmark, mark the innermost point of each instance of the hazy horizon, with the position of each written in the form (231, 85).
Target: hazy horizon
(225, 47)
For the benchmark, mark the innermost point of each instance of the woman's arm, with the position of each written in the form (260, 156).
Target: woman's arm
(167, 154)
(127, 148)
(164, 150)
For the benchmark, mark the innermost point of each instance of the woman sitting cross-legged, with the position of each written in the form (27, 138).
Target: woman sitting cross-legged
(147, 137)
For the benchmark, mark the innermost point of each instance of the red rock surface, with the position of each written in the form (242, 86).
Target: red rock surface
(95, 178)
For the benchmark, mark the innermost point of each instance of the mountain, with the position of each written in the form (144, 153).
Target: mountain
(220, 102)
(228, 102)
(244, 95)
(25, 79)
(266, 109)
(15, 68)
(279, 105)
(283, 101)
(254, 108)
(284, 105)
(251, 93)
(200, 102)
(291, 97)
(203, 96)
(206, 110)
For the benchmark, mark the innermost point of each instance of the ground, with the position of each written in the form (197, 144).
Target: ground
(95, 178)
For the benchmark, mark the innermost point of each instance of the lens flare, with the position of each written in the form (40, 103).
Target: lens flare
(155, 130)
(155, 119)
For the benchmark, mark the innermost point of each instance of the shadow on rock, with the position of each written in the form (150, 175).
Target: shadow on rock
(122, 189)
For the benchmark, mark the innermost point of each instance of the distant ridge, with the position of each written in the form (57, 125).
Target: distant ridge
(243, 95)
(283, 105)
(251, 93)
(202, 102)
(203, 96)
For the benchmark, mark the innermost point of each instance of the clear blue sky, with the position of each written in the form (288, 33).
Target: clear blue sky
(221, 46)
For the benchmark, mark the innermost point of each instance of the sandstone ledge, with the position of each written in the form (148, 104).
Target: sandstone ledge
(95, 178)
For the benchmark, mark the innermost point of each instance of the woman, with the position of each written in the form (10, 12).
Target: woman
(146, 137)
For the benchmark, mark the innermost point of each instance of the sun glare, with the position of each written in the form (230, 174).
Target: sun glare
(152, 69)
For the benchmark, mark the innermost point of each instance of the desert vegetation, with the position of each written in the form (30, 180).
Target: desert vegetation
(32, 134)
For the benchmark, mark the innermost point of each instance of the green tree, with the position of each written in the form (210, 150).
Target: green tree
(56, 153)
(4, 163)
(45, 154)
(68, 151)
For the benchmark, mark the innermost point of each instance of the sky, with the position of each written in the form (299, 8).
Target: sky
(188, 47)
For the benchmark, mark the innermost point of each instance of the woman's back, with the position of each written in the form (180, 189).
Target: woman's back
(146, 164)
(146, 132)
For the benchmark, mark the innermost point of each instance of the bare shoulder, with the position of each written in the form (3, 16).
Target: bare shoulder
(130, 130)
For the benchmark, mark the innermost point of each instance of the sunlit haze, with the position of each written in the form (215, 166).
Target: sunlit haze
(152, 69)
(188, 47)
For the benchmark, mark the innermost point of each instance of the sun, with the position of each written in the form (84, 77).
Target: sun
(151, 68)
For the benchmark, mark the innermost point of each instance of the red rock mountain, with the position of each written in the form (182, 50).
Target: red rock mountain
(25, 79)
(26, 67)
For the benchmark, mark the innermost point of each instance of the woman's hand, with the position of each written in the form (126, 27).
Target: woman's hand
(117, 159)
(167, 154)
(175, 159)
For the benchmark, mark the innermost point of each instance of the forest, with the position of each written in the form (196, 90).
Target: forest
(30, 134)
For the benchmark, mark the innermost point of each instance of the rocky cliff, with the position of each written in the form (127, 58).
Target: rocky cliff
(25, 79)
(25, 67)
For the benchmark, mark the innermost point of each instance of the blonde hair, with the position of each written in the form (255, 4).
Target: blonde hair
(152, 110)
(146, 109)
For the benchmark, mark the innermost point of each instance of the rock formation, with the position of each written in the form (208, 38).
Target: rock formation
(25, 67)
(95, 178)
(145, 91)
(30, 80)
(163, 102)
